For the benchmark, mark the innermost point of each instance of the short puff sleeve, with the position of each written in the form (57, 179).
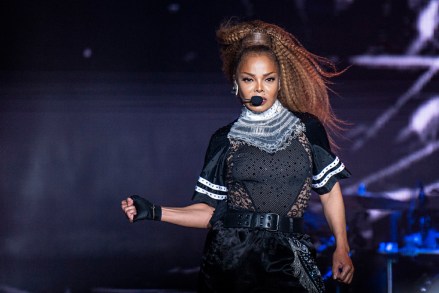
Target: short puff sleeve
(327, 167)
(210, 187)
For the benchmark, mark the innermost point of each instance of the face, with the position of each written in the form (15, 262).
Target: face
(258, 75)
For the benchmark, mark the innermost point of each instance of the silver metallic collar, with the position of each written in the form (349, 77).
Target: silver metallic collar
(270, 131)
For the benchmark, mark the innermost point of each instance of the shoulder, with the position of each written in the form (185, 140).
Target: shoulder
(223, 131)
(220, 135)
(219, 139)
(312, 123)
(218, 143)
(314, 129)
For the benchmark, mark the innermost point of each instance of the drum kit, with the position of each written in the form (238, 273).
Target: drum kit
(415, 220)
(398, 231)
(412, 232)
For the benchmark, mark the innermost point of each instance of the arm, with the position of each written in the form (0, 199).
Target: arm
(195, 216)
(333, 207)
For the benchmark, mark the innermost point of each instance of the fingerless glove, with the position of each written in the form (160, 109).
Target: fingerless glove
(146, 210)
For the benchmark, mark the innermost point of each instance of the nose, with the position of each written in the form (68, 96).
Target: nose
(259, 88)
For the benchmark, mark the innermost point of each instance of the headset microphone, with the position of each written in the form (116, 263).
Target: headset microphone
(256, 100)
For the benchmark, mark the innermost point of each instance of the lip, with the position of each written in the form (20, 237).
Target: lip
(264, 101)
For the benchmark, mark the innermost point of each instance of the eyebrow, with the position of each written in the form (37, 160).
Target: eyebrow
(266, 74)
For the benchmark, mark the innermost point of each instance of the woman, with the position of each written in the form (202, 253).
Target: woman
(259, 171)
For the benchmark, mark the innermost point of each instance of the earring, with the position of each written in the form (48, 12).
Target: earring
(235, 88)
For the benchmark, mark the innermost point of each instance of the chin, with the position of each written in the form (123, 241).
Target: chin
(266, 104)
(259, 109)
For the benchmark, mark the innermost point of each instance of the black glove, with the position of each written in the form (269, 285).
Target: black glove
(146, 210)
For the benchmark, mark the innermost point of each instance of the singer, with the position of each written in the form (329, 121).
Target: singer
(259, 171)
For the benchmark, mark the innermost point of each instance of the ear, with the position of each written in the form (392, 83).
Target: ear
(235, 88)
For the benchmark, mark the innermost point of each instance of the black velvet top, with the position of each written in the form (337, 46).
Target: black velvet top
(248, 178)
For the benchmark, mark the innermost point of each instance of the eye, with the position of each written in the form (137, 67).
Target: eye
(247, 79)
(271, 79)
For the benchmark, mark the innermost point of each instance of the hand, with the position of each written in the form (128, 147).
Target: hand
(129, 208)
(145, 210)
(342, 267)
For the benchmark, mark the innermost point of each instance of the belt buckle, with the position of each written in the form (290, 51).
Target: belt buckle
(269, 222)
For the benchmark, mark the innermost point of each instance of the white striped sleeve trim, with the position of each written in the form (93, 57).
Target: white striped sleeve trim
(336, 171)
(210, 194)
(326, 169)
(211, 185)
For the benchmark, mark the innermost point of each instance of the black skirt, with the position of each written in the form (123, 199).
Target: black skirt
(243, 260)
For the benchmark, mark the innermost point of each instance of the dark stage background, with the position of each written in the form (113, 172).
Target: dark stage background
(103, 99)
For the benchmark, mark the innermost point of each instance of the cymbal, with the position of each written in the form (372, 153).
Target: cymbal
(376, 202)
(413, 251)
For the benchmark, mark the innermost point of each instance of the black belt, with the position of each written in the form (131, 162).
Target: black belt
(263, 221)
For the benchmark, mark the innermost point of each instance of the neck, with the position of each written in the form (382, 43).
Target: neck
(274, 110)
